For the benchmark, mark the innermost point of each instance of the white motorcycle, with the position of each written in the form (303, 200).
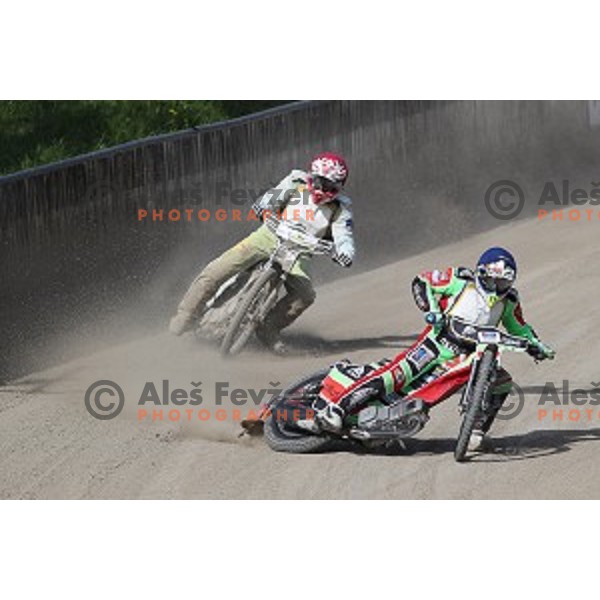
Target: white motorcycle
(242, 303)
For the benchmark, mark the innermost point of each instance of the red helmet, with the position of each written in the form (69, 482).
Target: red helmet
(328, 174)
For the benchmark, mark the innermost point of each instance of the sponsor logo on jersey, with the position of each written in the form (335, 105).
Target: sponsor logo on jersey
(491, 300)
(420, 356)
(441, 277)
(357, 372)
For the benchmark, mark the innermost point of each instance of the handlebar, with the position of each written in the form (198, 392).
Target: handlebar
(296, 234)
(486, 334)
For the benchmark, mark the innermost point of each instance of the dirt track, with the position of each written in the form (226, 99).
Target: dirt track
(50, 447)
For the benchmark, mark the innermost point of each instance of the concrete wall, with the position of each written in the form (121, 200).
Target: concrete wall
(76, 265)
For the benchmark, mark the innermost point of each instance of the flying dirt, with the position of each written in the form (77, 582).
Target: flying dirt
(51, 447)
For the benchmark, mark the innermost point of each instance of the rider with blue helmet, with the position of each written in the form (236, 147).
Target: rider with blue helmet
(482, 297)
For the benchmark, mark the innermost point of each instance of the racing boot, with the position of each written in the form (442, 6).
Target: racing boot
(328, 416)
(479, 440)
(183, 321)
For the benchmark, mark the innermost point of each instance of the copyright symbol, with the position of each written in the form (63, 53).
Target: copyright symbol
(513, 405)
(99, 191)
(103, 408)
(504, 199)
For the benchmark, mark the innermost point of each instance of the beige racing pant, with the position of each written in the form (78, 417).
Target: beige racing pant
(245, 254)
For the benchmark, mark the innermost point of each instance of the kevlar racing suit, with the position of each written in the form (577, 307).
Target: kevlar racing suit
(455, 293)
(291, 200)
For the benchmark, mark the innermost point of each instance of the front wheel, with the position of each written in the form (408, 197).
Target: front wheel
(245, 319)
(474, 402)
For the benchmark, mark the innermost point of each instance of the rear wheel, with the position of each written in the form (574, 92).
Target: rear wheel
(474, 403)
(245, 320)
(280, 433)
(283, 438)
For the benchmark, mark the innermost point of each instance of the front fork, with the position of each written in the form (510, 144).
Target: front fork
(464, 399)
(272, 297)
(284, 263)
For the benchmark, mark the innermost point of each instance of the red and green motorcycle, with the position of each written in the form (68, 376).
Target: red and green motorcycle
(387, 420)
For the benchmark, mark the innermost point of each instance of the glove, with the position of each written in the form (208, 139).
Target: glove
(341, 259)
(434, 318)
(258, 210)
(540, 351)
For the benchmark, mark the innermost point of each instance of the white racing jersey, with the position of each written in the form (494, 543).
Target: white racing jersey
(291, 196)
(473, 306)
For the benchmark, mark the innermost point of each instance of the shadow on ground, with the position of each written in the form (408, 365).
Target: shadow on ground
(535, 444)
(304, 342)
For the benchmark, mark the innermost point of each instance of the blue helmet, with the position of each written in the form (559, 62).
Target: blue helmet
(496, 270)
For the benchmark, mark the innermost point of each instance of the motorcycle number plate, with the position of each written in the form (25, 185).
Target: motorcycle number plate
(488, 337)
(297, 238)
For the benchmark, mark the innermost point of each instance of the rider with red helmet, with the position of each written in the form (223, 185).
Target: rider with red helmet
(319, 204)
(328, 174)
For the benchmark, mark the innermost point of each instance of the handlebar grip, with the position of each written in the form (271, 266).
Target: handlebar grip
(535, 351)
(434, 318)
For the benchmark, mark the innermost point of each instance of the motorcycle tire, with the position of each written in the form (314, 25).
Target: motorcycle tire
(238, 333)
(284, 438)
(474, 403)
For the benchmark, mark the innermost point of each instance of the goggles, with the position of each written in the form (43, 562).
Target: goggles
(493, 282)
(325, 185)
